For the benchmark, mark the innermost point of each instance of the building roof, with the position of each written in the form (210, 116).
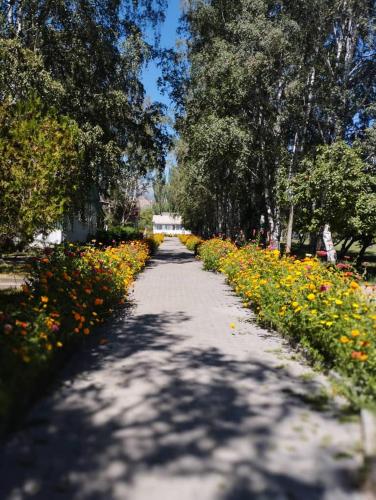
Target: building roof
(166, 218)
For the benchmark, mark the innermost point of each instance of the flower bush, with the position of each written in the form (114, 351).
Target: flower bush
(71, 289)
(191, 242)
(212, 251)
(155, 240)
(318, 306)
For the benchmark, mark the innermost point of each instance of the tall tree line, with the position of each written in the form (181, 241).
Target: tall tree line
(80, 59)
(264, 86)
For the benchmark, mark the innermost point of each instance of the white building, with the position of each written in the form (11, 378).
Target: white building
(167, 223)
(76, 229)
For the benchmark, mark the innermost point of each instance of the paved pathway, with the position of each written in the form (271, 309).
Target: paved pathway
(178, 406)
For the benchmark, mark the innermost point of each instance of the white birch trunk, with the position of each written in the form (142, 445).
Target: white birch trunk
(329, 247)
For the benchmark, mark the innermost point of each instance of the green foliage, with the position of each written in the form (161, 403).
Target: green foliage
(262, 85)
(40, 175)
(212, 251)
(146, 219)
(336, 187)
(85, 59)
(115, 235)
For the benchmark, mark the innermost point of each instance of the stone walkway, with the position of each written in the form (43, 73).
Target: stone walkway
(177, 405)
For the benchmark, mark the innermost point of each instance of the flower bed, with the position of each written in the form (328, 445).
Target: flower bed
(191, 242)
(320, 307)
(212, 251)
(71, 289)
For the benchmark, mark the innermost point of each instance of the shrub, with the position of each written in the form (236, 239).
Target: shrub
(116, 234)
(211, 251)
(183, 238)
(191, 242)
(153, 241)
(318, 306)
(71, 289)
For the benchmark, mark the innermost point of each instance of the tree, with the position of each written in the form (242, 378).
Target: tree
(40, 169)
(264, 84)
(146, 218)
(336, 188)
(91, 54)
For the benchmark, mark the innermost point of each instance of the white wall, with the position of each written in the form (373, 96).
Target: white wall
(170, 231)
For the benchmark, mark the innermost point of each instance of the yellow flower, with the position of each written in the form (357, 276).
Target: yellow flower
(344, 339)
(295, 304)
(355, 332)
(44, 299)
(232, 325)
(339, 302)
(311, 296)
(354, 285)
(59, 344)
(329, 323)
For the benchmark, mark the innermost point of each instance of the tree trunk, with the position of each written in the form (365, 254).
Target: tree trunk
(365, 244)
(289, 230)
(345, 247)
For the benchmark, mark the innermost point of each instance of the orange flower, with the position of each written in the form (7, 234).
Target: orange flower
(88, 291)
(77, 316)
(44, 299)
(86, 331)
(98, 302)
(354, 285)
(359, 355)
(344, 339)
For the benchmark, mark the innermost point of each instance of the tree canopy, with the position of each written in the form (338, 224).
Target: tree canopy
(262, 86)
(84, 60)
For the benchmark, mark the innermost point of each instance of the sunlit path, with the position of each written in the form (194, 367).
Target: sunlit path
(178, 405)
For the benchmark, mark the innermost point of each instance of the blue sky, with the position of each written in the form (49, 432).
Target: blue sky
(168, 37)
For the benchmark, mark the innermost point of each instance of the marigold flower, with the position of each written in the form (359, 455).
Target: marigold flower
(98, 302)
(232, 325)
(44, 299)
(311, 296)
(86, 331)
(354, 285)
(344, 339)
(355, 332)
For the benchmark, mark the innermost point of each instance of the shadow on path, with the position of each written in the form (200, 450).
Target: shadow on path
(182, 409)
